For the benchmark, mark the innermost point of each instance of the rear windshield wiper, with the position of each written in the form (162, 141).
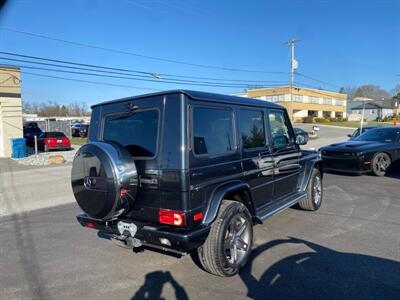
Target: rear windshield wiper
(131, 110)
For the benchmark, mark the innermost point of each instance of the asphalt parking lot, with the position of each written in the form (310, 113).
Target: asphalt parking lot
(349, 249)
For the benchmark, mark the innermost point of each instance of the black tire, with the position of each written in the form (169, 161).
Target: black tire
(314, 192)
(380, 164)
(213, 255)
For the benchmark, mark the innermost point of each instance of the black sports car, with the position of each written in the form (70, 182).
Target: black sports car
(374, 151)
(360, 131)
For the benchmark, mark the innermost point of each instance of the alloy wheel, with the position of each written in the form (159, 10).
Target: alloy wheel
(381, 163)
(317, 188)
(237, 240)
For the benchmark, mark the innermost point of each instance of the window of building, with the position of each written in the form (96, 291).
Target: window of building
(313, 100)
(328, 101)
(277, 98)
(326, 114)
(339, 102)
(279, 125)
(312, 113)
(212, 131)
(251, 125)
(298, 98)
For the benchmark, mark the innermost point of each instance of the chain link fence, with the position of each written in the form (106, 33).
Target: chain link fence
(56, 125)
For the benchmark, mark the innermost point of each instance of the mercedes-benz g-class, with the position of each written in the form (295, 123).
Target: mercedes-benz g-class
(191, 172)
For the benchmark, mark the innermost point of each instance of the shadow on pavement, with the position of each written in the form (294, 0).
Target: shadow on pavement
(154, 282)
(394, 172)
(24, 241)
(322, 273)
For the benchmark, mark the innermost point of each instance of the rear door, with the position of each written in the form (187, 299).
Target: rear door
(285, 153)
(136, 125)
(256, 155)
(214, 157)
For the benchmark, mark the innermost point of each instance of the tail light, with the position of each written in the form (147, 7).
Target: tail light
(171, 217)
(51, 141)
(65, 141)
(123, 192)
(198, 216)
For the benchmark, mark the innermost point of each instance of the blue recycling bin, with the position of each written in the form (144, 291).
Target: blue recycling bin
(18, 148)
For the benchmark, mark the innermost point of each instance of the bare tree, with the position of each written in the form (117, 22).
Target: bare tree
(371, 91)
(349, 90)
(396, 90)
(53, 109)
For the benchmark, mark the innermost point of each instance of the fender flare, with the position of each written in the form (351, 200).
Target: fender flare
(218, 195)
(309, 166)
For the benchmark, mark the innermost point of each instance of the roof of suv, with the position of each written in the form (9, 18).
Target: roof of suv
(202, 96)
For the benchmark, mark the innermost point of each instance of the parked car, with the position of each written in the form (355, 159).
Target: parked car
(53, 140)
(83, 130)
(360, 131)
(75, 129)
(29, 133)
(301, 134)
(191, 172)
(373, 151)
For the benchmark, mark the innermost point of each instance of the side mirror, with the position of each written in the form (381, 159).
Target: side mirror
(301, 138)
(349, 135)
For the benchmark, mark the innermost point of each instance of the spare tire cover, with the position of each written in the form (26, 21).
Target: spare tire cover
(104, 179)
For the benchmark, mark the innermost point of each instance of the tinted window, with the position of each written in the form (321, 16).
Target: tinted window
(384, 135)
(32, 130)
(252, 132)
(212, 131)
(55, 134)
(136, 132)
(281, 135)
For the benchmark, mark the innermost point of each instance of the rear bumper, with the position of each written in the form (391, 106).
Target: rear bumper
(181, 240)
(59, 147)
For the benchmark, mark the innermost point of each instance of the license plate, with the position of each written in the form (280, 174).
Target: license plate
(59, 141)
(127, 228)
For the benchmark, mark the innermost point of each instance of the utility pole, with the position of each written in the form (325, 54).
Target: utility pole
(293, 66)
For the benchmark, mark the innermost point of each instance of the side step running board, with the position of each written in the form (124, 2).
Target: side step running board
(280, 206)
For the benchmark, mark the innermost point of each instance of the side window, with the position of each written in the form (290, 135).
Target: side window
(281, 135)
(251, 126)
(212, 131)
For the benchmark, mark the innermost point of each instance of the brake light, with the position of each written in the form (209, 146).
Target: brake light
(171, 217)
(89, 225)
(198, 216)
(123, 192)
(51, 141)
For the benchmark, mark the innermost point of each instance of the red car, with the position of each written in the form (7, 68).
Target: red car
(53, 141)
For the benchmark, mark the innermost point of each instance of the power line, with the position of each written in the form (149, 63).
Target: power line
(137, 54)
(135, 79)
(316, 90)
(89, 81)
(107, 70)
(317, 80)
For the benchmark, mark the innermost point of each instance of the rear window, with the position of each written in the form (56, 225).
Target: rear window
(32, 130)
(137, 132)
(54, 134)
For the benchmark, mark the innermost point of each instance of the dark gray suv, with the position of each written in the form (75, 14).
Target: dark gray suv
(191, 172)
